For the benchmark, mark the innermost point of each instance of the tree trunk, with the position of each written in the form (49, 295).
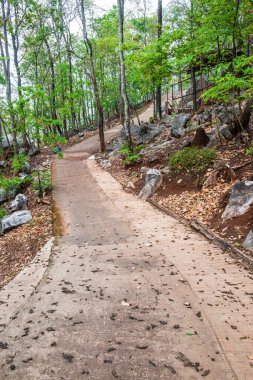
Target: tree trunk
(243, 122)
(245, 118)
(194, 89)
(123, 74)
(15, 46)
(159, 88)
(7, 71)
(94, 79)
(53, 102)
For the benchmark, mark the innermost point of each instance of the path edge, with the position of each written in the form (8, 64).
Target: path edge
(15, 294)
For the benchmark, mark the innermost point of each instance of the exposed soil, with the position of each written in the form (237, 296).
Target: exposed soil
(185, 195)
(19, 246)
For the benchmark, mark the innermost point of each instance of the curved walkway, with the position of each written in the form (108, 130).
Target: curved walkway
(128, 293)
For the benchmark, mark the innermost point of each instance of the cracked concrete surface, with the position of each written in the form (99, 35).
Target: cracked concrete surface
(128, 293)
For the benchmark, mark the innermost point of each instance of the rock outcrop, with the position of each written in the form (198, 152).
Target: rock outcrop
(14, 220)
(240, 200)
(179, 124)
(153, 180)
(142, 134)
(19, 203)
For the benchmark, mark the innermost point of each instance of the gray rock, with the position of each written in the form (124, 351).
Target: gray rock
(143, 170)
(218, 138)
(14, 220)
(23, 175)
(3, 164)
(179, 124)
(248, 242)
(33, 152)
(3, 195)
(167, 119)
(8, 143)
(165, 170)
(149, 154)
(240, 200)
(7, 195)
(155, 148)
(142, 134)
(105, 164)
(114, 145)
(19, 203)
(81, 134)
(224, 130)
(153, 180)
(26, 168)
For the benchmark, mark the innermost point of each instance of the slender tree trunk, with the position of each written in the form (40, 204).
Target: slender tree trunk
(123, 73)
(72, 109)
(93, 78)
(53, 102)
(159, 88)
(194, 89)
(15, 46)
(7, 71)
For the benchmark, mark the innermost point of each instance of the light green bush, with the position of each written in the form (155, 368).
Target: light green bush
(193, 159)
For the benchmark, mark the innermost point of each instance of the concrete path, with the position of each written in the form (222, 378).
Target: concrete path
(128, 293)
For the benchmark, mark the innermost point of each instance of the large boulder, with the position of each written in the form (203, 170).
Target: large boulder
(226, 115)
(179, 124)
(151, 153)
(241, 198)
(19, 203)
(141, 134)
(248, 242)
(200, 139)
(7, 195)
(153, 180)
(14, 220)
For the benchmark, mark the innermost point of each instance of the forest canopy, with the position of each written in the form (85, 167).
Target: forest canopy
(60, 66)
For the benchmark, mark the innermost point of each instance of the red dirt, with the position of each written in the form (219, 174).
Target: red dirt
(184, 193)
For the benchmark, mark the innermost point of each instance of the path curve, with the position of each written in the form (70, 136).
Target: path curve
(128, 294)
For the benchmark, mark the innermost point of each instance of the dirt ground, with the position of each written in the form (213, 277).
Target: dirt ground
(185, 195)
(20, 245)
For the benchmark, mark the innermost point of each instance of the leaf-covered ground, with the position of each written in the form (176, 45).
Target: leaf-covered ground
(185, 195)
(19, 246)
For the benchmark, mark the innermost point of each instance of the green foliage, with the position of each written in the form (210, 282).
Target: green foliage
(232, 81)
(13, 183)
(42, 183)
(128, 156)
(60, 155)
(193, 159)
(54, 139)
(3, 212)
(18, 162)
(249, 150)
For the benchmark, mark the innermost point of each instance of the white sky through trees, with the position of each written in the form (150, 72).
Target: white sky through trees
(100, 7)
(107, 4)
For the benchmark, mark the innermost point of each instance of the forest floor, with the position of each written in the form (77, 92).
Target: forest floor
(181, 194)
(184, 194)
(127, 292)
(20, 245)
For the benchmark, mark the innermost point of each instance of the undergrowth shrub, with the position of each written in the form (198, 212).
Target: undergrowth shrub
(18, 162)
(3, 212)
(129, 157)
(193, 159)
(42, 183)
(13, 183)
